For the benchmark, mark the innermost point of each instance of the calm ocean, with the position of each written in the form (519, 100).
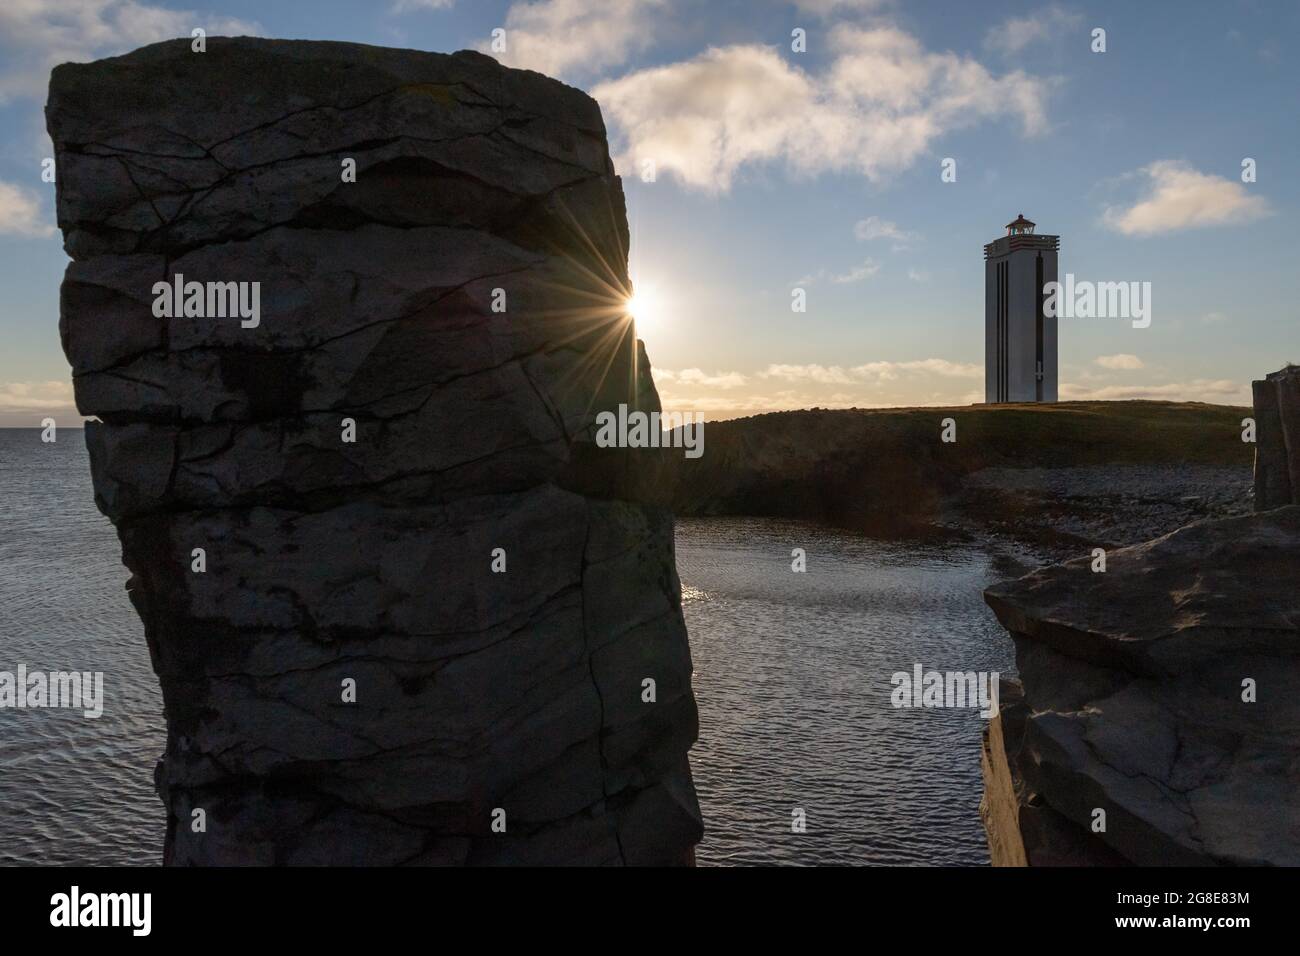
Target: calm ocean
(791, 672)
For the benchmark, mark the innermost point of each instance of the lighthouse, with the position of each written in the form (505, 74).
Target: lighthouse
(1019, 337)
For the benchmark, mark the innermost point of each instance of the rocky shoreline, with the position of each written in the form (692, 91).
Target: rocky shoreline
(1043, 515)
(1155, 713)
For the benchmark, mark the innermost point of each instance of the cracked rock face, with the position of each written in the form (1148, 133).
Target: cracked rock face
(316, 506)
(1164, 692)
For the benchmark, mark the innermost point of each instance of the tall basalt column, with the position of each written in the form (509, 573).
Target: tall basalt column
(345, 316)
(1277, 440)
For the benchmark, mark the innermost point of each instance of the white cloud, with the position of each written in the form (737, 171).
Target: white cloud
(1122, 361)
(935, 366)
(20, 399)
(1201, 390)
(575, 37)
(824, 8)
(824, 374)
(868, 268)
(1181, 197)
(871, 371)
(830, 386)
(873, 227)
(731, 406)
(36, 36)
(694, 376)
(916, 275)
(1016, 33)
(409, 6)
(20, 213)
(876, 109)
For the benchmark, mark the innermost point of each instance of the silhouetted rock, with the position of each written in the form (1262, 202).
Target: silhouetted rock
(1277, 439)
(458, 311)
(1164, 692)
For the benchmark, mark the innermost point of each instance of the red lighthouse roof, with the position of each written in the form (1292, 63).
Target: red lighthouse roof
(1020, 235)
(1020, 225)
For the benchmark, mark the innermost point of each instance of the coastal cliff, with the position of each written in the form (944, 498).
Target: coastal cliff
(345, 316)
(1156, 716)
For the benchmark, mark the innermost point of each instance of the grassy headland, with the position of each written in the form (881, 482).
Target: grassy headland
(887, 470)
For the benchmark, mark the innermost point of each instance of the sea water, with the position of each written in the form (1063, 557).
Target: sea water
(792, 675)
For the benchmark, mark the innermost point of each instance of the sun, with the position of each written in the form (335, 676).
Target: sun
(643, 305)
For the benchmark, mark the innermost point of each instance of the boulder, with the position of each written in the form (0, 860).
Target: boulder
(1165, 693)
(402, 607)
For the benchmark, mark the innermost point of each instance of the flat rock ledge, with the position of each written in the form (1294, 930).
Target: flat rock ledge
(1157, 716)
(402, 608)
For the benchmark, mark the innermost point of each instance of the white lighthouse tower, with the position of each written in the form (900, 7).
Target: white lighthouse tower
(1019, 338)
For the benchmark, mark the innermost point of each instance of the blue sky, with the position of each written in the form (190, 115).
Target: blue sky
(821, 169)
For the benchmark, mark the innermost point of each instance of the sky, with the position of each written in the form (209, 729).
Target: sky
(820, 169)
